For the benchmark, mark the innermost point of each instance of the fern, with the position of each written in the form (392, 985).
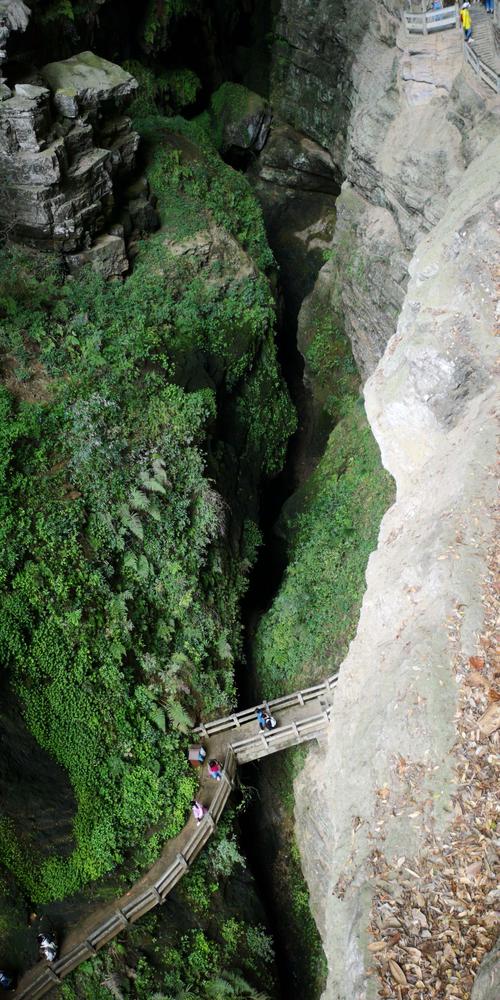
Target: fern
(131, 521)
(159, 471)
(143, 568)
(151, 484)
(155, 513)
(138, 500)
(130, 562)
(178, 717)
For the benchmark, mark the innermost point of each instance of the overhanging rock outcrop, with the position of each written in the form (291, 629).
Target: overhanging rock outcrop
(66, 145)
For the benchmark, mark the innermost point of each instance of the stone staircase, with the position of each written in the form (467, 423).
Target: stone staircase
(483, 37)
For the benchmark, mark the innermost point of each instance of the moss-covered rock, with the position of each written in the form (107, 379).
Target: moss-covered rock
(332, 526)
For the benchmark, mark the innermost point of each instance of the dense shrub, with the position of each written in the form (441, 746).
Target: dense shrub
(119, 592)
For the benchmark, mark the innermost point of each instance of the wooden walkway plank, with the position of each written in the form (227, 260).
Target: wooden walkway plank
(236, 739)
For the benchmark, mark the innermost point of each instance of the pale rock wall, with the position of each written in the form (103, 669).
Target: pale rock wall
(430, 404)
(415, 136)
(401, 119)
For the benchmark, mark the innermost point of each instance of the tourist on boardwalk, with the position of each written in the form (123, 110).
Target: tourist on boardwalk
(466, 20)
(270, 722)
(215, 769)
(47, 947)
(198, 810)
(261, 718)
(6, 982)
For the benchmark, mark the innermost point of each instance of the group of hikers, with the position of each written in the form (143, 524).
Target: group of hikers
(47, 948)
(215, 768)
(466, 19)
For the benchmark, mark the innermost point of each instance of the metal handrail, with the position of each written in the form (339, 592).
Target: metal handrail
(45, 977)
(482, 70)
(425, 22)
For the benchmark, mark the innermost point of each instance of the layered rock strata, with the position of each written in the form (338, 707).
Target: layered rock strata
(66, 145)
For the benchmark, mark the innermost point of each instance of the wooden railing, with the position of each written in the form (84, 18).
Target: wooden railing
(238, 719)
(144, 897)
(264, 743)
(484, 72)
(425, 22)
(47, 976)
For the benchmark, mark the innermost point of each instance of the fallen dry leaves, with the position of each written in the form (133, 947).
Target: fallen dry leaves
(436, 916)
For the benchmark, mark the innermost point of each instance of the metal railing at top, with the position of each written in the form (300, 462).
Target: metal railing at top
(238, 719)
(425, 22)
(483, 71)
(46, 977)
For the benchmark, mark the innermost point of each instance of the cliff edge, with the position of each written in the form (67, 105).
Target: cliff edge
(396, 820)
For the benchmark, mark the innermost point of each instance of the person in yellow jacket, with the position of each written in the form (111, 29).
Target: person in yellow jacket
(466, 20)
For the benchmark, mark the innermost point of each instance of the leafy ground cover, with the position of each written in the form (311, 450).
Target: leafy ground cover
(305, 634)
(119, 591)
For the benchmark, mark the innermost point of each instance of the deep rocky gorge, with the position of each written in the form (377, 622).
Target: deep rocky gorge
(375, 157)
(417, 142)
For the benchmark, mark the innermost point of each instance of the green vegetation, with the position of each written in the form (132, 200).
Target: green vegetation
(119, 596)
(154, 27)
(162, 91)
(196, 965)
(302, 942)
(331, 365)
(305, 634)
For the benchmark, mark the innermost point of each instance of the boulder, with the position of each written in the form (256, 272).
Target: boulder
(107, 256)
(87, 83)
(241, 118)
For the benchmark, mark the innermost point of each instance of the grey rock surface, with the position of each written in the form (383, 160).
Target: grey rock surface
(243, 117)
(430, 403)
(86, 82)
(107, 256)
(412, 270)
(63, 147)
(487, 983)
(14, 16)
(401, 119)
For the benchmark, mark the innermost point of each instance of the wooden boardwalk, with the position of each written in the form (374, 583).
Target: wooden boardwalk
(235, 739)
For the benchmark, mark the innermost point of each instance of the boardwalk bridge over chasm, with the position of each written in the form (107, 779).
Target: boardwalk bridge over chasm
(235, 739)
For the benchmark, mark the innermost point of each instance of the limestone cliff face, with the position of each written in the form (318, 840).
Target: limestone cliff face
(416, 239)
(401, 118)
(66, 149)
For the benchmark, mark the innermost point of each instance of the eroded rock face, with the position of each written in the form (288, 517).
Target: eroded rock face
(64, 148)
(430, 405)
(416, 138)
(401, 118)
